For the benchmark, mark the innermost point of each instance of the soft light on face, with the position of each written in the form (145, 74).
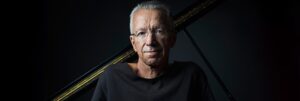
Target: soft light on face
(150, 38)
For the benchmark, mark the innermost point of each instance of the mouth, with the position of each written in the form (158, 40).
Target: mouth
(152, 53)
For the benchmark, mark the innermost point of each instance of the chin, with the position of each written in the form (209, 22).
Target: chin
(153, 62)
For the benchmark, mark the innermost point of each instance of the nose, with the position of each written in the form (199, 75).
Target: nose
(151, 39)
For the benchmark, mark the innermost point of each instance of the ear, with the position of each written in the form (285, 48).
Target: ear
(132, 42)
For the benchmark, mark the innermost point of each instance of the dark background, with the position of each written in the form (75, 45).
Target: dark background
(252, 44)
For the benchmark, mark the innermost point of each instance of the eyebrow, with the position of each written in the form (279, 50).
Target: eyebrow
(154, 27)
(140, 29)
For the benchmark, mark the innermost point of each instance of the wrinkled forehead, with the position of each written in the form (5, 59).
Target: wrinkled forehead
(149, 18)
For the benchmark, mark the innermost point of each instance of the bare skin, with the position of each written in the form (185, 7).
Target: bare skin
(153, 48)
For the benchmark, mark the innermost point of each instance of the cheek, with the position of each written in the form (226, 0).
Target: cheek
(165, 43)
(138, 47)
(136, 44)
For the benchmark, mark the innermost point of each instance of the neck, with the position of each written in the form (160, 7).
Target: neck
(149, 72)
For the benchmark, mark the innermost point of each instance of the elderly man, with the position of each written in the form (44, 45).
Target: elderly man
(152, 78)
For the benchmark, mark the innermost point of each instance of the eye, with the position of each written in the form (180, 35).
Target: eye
(141, 34)
(159, 31)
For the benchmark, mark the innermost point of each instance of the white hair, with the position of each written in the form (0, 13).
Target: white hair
(153, 5)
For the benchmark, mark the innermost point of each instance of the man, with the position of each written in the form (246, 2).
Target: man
(152, 78)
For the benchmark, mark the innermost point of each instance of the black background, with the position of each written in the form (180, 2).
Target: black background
(252, 44)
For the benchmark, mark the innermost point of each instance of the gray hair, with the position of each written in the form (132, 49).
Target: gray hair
(153, 5)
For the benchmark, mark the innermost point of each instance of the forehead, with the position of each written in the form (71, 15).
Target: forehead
(147, 17)
(147, 13)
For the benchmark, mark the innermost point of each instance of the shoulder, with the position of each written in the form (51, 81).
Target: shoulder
(114, 69)
(116, 66)
(188, 65)
(189, 68)
(105, 80)
(111, 72)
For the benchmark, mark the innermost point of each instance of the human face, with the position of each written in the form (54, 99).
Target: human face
(150, 37)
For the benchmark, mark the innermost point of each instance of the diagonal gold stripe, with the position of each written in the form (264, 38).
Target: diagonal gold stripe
(91, 77)
(86, 81)
(199, 8)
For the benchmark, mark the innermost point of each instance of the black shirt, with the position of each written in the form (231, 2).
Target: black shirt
(182, 81)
